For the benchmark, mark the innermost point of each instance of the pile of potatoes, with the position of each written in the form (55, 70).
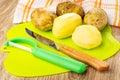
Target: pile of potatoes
(67, 21)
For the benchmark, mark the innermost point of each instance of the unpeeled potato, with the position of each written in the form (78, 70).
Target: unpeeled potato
(96, 17)
(43, 19)
(69, 7)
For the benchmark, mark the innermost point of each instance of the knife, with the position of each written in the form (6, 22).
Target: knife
(92, 61)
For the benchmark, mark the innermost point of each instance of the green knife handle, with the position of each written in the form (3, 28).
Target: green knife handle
(59, 60)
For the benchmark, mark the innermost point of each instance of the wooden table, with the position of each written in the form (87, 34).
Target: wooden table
(7, 8)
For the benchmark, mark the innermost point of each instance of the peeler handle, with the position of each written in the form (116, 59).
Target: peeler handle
(62, 61)
(57, 59)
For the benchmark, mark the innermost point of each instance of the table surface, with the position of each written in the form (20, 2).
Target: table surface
(7, 9)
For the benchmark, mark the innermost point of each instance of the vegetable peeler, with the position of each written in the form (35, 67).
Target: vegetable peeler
(48, 56)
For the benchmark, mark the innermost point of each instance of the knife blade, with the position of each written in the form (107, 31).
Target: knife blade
(41, 39)
(92, 61)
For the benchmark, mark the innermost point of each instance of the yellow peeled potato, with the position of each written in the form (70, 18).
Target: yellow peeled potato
(87, 36)
(63, 26)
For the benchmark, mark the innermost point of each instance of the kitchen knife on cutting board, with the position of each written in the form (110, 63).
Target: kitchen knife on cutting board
(94, 62)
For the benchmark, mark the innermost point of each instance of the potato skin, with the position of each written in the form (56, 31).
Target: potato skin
(96, 17)
(68, 7)
(43, 19)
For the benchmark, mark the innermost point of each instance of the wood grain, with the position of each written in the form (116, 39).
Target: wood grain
(7, 8)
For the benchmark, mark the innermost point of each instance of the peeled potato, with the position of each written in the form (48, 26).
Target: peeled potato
(96, 17)
(87, 36)
(64, 25)
(43, 19)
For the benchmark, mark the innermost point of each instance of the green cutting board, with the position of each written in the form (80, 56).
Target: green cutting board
(21, 63)
(108, 47)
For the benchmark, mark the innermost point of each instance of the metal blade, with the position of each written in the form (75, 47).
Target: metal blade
(41, 39)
